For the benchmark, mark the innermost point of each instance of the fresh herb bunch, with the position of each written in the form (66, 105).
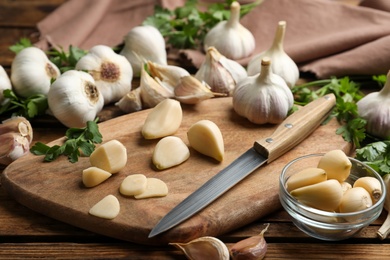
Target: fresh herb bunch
(66, 60)
(78, 139)
(186, 26)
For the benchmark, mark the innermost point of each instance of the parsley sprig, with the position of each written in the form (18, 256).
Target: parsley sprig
(77, 139)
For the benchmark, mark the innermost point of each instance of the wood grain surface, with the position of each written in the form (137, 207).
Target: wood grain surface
(55, 189)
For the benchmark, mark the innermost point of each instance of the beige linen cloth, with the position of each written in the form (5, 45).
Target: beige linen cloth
(323, 37)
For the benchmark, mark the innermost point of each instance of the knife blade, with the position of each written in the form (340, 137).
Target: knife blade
(294, 129)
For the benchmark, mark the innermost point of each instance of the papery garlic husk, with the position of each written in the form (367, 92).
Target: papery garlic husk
(263, 98)
(204, 248)
(167, 75)
(384, 230)
(251, 248)
(354, 200)
(336, 164)
(144, 43)
(191, 91)
(5, 83)
(112, 72)
(324, 195)
(370, 184)
(32, 72)
(375, 109)
(152, 92)
(231, 38)
(131, 102)
(220, 73)
(74, 99)
(19, 125)
(282, 64)
(12, 147)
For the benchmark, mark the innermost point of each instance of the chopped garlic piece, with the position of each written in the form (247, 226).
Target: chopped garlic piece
(107, 208)
(93, 176)
(133, 185)
(154, 188)
(110, 156)
(170, 151)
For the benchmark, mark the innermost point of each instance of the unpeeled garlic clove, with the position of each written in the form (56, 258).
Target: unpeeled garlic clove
(324, 195)
(12, 147)
(355, 199)
(17, 124)
(336, 164)
(204, 248)
(131, 102)
(170, 151)
(370, 184)
(305, 177)
(167, 75)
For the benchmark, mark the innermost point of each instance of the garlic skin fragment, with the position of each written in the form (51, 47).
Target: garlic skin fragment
(167, 75)
(170, 151)
(206, 138)
(384, 230)
(263, 98)
(231, 38)
(336, 164)
(355, 199)
(324, 195)
(154, 188)
(305, 177)
(191, 91)
(112, 72)
(107, 208)
(5, 83)
(110, 156)
(375, 110)
(144, 43)
(93, 176)
(32, 72)
(163, 120)
(206, 247)
(74, 99)
(131, 102)
(370, 184)
(134, 184)
(282, 64)
(220, 73)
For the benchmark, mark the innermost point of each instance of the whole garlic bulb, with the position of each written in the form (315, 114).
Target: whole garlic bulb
(5, 83)
(282, 64)
(263, 98)
(112, 72)
(74, 98)
(220, 73)
(375, 109)
(144, 43)
(230, 37)
(32, 72)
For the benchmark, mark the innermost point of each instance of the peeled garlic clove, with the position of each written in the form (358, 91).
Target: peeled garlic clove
(305, 177)
(220, 73)
(144, 43)
(12, 147)
(5, 83)
(107, 208)
(133, 185)
(191, 91)
(345, 186)
(230, 37)
(204, 248)
(324, 195)
(17, 124)
(112, 72)
(93, 176)
(355, 199)
(131, 102)
(110, 156)
(163, 120)
(168, 75)
(206, 137)
(282, 64)
(170, 151)
(74, 99)
(336, 164)
(370, 184)
(154, 188)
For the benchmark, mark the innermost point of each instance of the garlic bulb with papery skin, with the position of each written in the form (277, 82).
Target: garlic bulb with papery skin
(5, 82)
(74, 99)
(282, 64)
(375, 109)
(32, 72)
(167, 75)
(263, 98)
(231, 38)
(220, 73)
(112, 72)
(144, 43)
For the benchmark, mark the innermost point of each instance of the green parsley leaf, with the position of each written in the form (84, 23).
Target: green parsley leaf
(22, 44)
(376, 155)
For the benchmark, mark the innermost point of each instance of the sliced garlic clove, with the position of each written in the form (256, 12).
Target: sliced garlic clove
(110, 156)
(169, 152)
(336, 164)
(131, 102)
(206, 138)
(355, 199)
(163, 120)
(370, 184)
(305, 177)
(93, 176)
(107, 208)
(324, 195)
(134, 184)
(154, 188)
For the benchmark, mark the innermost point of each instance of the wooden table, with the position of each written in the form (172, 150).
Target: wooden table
(25, 234)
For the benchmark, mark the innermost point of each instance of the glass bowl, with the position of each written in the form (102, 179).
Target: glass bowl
(324, 225)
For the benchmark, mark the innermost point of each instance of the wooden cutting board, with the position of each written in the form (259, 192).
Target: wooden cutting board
(55, 189)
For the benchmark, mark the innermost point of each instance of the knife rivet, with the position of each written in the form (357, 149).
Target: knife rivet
(288, 125)
(269, 140)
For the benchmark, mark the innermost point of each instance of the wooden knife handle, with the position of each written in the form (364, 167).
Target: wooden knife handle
(295, 128)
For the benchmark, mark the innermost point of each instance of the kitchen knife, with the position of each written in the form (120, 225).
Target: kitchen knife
(288, 134)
